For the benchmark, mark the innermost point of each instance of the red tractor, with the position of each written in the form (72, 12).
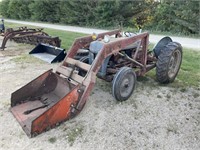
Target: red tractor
(54, 97)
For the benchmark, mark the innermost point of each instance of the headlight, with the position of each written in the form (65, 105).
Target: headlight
(106, 38)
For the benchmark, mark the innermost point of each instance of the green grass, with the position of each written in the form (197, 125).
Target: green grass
(52, 140)
(66, 37)
(189, 74)
(26, 58)
(190, 69)
(73, 134)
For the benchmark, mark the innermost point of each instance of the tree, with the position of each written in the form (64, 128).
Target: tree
(4, 8)
(45, 10)
(163, 15)
(177, 16)
(78, 12)
(15, 9)
(126, 13)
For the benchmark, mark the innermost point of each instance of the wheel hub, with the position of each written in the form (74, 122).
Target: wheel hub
(123, 84)
(126, 87)
(174, 64)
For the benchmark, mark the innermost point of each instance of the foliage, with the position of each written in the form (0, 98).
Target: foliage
(177, 16)
(78, 12)
(4, 7)
(164, 15)
(16, 9)
(122, 13)
(44, 10)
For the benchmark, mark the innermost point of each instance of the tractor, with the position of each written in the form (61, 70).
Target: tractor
(115, 56)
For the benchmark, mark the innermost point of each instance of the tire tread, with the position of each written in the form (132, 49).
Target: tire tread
(163, 62)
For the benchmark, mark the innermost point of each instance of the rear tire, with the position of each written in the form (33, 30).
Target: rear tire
(169, 62)
(123, 84)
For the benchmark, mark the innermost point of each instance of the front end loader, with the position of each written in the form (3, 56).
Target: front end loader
(56, 96)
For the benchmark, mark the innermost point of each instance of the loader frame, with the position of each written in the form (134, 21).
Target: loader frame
(140, 59)
(49, 112)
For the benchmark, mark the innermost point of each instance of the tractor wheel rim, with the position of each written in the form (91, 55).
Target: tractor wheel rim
(174, 63)
(126, 85)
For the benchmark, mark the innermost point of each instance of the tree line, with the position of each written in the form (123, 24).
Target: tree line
(161, 15)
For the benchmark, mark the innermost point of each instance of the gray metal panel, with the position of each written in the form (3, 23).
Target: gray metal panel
(45, 57)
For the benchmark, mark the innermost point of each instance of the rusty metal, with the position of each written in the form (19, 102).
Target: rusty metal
(55, 97)
(130, 59)
(44, 102)
(30, 36)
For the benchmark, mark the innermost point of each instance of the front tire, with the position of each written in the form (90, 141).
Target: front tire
(169, 62)
(123, 84)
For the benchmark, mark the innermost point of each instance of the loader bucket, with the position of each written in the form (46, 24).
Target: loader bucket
(44, 103)
(48, 53)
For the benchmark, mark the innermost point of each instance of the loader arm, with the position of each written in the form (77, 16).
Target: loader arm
(109, 49)
(57, 96)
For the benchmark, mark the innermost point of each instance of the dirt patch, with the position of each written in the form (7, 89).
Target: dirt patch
(155, 117)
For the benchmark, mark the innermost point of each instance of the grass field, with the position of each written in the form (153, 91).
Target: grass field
(189, 74)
